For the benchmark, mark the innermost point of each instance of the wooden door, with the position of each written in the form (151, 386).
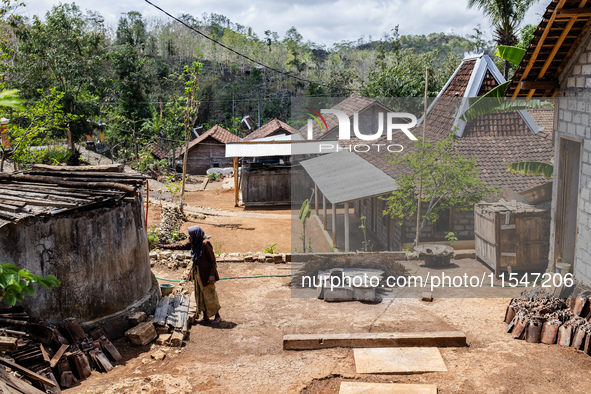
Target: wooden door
(567, 198)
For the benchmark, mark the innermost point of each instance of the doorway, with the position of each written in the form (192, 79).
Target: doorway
(567, 199)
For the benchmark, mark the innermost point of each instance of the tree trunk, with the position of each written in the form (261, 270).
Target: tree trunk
(506, 71)
(184, 169)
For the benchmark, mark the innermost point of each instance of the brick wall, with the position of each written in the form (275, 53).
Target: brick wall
(574, 111)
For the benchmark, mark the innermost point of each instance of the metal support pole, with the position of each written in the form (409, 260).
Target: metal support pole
(347, 226)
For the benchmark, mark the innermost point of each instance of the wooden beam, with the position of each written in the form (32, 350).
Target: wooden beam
(542, 85)
(27, 372)
(236, 181)
(324, 211)
(573, 48)
(537, 48)
(347, 226)
(570, 12)
(316, 198)
(334, 223)
(373, 340)
(550, 57)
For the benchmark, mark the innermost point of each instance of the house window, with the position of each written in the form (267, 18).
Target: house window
(215, 165)
(444, 224)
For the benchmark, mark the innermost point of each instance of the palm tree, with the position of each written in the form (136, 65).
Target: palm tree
(505, 17)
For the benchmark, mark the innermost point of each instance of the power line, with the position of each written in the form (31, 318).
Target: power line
(238, 53)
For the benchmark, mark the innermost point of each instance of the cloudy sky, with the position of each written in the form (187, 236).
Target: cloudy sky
(321, 21)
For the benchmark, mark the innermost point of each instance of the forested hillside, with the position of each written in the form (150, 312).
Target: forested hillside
(74, 72)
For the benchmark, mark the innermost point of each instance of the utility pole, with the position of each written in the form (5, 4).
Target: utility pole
(259, 122)
(421, 175)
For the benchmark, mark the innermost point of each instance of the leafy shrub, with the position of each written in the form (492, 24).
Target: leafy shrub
(153, 237)
(271, 249)
(16, 283)
(213, 177)
(149, 164)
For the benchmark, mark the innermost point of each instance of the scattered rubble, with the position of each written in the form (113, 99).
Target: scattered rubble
(52, 356)
(182, 259)
(539, 316)
(171, 219)
(169, 325)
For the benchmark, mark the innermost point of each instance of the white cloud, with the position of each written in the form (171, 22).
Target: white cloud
(320, 21)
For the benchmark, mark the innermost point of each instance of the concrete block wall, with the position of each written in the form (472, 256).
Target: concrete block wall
(574, 120)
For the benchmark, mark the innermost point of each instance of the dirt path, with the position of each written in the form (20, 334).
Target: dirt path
(233, 229)
(248, 355)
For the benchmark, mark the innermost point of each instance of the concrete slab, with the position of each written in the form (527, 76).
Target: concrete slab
(399, 360)
(386, 388)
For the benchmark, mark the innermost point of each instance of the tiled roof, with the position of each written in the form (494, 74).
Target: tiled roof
(457, 86)
(217, 133)
(555, 41)
(158, 152)
(543, 117)
(349, 106)
(272, 127)
(494, 153)
(499, 124)
(441, 117)
(494, 140)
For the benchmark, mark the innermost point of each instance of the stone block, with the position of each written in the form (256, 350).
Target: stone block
(142, 334)
(176, 340)
(338, 294)
(163, 339)
(162, 330)
(288, 257)
(137, 317)
(427, 296)
(277, 259)
(234, 259)
(158, 355)
(364, 293)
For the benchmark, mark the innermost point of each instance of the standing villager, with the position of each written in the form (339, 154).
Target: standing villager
(203, 272)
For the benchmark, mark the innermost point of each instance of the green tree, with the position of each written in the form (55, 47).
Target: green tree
(505, 17)
(449, 180)
(191, 111)
(31, 125)
(66, 53)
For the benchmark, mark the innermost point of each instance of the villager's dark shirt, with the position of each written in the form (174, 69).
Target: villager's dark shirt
(206, 264)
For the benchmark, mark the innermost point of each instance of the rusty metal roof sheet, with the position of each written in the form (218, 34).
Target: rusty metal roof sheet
(45, 193)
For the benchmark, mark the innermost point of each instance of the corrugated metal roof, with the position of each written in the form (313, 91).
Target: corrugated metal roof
(280, 148)
(345, 176)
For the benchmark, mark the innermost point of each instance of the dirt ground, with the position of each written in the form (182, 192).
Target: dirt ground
(234, 229)
(245, 354)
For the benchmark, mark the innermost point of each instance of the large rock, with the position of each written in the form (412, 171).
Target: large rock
(142, 334)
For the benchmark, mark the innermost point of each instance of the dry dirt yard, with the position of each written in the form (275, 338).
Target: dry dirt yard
(246, 354)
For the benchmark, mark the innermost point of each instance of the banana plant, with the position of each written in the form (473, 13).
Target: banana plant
(537, 168)
(494, 101)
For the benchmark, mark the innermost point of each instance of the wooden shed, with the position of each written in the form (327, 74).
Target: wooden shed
(512, 234)
(207, 151)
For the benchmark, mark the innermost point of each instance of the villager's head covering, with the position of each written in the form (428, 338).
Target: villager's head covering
(197, 235)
